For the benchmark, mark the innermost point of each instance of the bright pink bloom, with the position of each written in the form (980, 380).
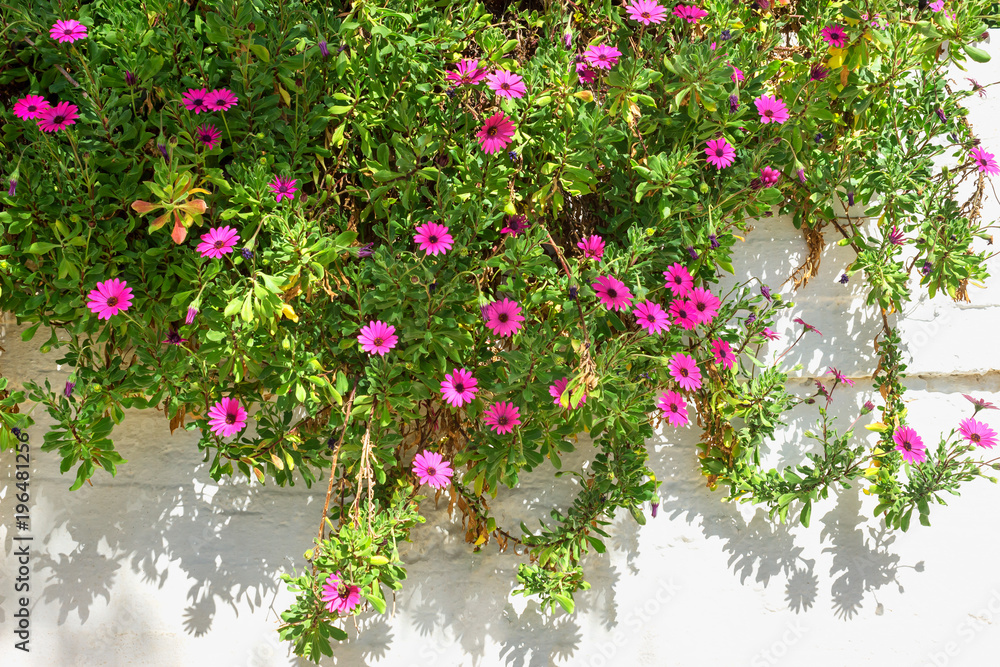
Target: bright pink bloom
(685, 370)
(651, 317)
(723, 354)
(377, 337)
(806, 325)
(110, 298)
(30, 107)
(769, 176)
(679, 281)
(586, 73)
(978, 433)
(59, 117)
(459, 388)
(689, 13)
(720, 153)
(613, 293)
(433, 238)
(737, 74)
(432, 469)
(283, 187)
(468, 72)
(841, 378)
(340, 597)
(602, 56)
(208, 135)
(221, 100)
(770, 335)
(910, 445)
(503, 417)
(835, 35)
(496, 133)
(645, 11)
(515, 224)
(174, 338)
(506, 84)
(675, 408)
(592, 246)
(557, 390)
(218, 242)
(227, 417)
(771, 109)
(937, 6)
(684, 314)
(68, 31)
(504, 317)
(196, 100)
(985, 162)
(705, 304)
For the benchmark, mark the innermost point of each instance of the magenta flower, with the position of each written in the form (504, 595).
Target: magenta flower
(218, 242)
(220, 100)
(30, 107)
(503, 417)
(174, 337)
(645, 11)
(602, 56)
(685, 370)
(613, 293)
(771, 109)
(283, 187)
(679, 281)
(985, 162)
(808, 327)
(683, 314)
(432, 469)
(938, 5)
(227, 417)
(339, 596)
(737, 74)
(208, 135)
(705, 304)
(586, 73)
(769, 334)
(592, 247)
(191, 314)
(689, 13)
(720, 153)
(651, 317)
(978, 433)
(506, 84)
(515, 224)
(496, 133)
(979, 404)
(377, 337)
(459, 388)
(504, 317)
(59, 117)
(557, 390)
(835, 35)
(110, 298)
(769, 176)
(675, 408)
(196, 100)
(910, 445)
(433, 238)
(468, 73)
(841, 378)
(68, 31)
(723, 354)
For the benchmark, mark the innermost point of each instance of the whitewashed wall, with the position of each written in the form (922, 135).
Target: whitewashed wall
(161, 566)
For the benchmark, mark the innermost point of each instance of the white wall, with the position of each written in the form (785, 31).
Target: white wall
(161, 566)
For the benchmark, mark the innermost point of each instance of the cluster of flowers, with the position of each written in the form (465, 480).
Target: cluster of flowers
(912, 447)
(201, 99)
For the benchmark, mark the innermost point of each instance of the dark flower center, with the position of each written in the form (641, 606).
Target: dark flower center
(59, 119)
(505, 86)
(343, 592)
(492, 132)
(700, 307)
(769, 113)
(673, 407)
(32, 108)
(503, 317)
(112, 301)
(612, 293)
(198, 101)
(719, 152)
(219, 244)
(503, 420)
(230, 418)
(432, 239)
(644, 15)
(459, 388)
(651, 318)
(378, 342)
(683, 372)
(431, 472)
(68, 31)
(975, 437)
(206, 137)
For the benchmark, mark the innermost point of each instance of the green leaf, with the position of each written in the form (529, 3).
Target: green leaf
(564, 601)
(39, 248)
(260, 51)
(976, 54)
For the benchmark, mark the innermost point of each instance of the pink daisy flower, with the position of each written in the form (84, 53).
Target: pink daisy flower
(769, 334)
(675, 408)
(769, 176)
(227, 417)
(515, 224)
(645, 11)
(283, 187)
(910, 445)
(841, 378)
(68, 31)
(592, 247)
(468, 73)
(503, 417)
(59, 117)
(980, 404)
(433, 470)
(218, 242)
(504, 317)
(377, 337)
(771, 109)
(683, 314)
(220, 100)
(723, 354)
(433, 238)
(602, 56)
(705, 304)
(196, 100)
(985, 162)
(737, 74)
(613, 293)
(685, 370)
(459, 388)
(689, 13)
(651, 317)
(506, 84)
(340, 597)
(586, 73)
(174, 338)
(720, 153)
(806, 325)
(978, 433)
(30, 107)
(110, 298)
(496, 133)
(835, 35)
(679, 281)
(208, 135)
(557, 390)
(937, 6)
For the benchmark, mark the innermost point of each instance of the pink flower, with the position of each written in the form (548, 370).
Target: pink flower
(684, 314)
(208, 135)
(191, 314)
(723, 354)
(377, 337)
(910, 445)
(685, 370)
(679, 281)
(841, 378)
(110, 298)
(770, 335)
(720, 153)
(705, 304)
(737, 74)
(432, 469)
(196, 100)
(602, 56)
(59, 117)
(503, 417)
(808, 327)
(771, 109)
(978, 433)
(651, 317)
(283, 187)
(613, 293)
(496, 133)
(30, 107)
(937, 6)
(984, 161)
(227, 417)
(459, 388)
(835, 35)
(557, 390)
(340, 597)
(769, 176)
(592, 246)
(515, 224)
(68, 31)
(506, 84)
(220, 100)
(586, 73)
(689, 13)
(504, 317)
(980, 404)
(675, 409)
(218, 242)
(433, 238)
(468, 72)
(645, 11)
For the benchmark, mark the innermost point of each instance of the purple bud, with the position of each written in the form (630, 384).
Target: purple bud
(692, 252)
(163, 150)
(765, 292)
(850, 198)
(819, 137)
(68, 391)
(725, 36)
(940, 114)
(713, 241)
(247, 253)
(433, 286)
(802, 176)
(192, 313)
(13, 187)
(568, 39)
(324, 49)
(818, 73)
(129, 78)
(844, 278)
(867, 407)
(751, 318)
(926, 268)
(366, 250)
(734, 103)
(340, 49)
(573, 292)
(655, 507)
